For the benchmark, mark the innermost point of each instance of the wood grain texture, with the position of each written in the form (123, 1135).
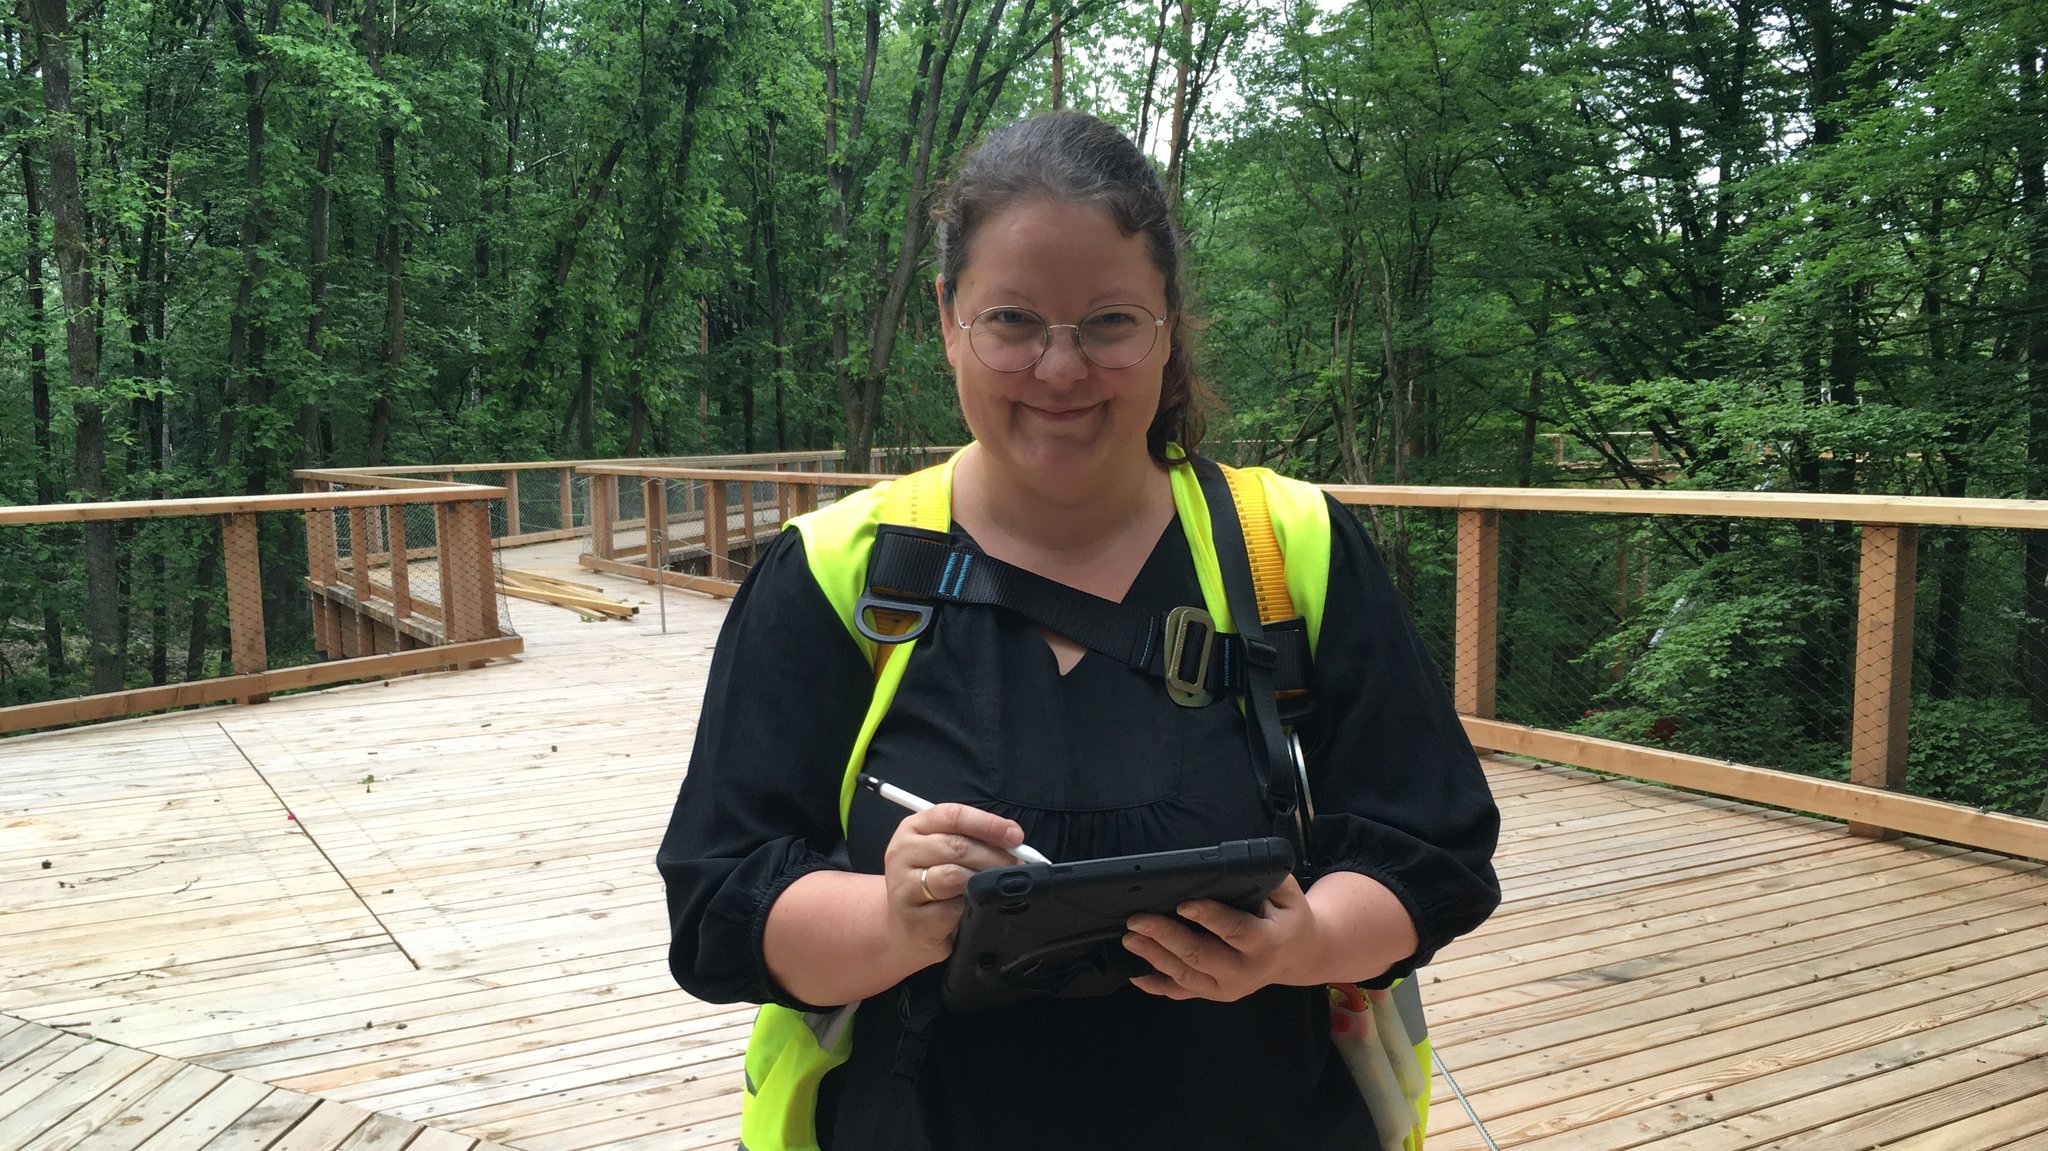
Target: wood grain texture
(422, 914)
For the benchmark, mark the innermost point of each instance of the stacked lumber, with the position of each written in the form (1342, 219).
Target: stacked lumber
(585, 600)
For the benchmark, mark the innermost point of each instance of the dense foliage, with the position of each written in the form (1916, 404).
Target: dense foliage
(1798, 246)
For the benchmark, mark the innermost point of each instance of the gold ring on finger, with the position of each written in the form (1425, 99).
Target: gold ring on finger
(924, 887)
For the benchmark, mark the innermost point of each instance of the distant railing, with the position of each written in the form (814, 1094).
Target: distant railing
(697, 524)
(543, 500)
(365, 624)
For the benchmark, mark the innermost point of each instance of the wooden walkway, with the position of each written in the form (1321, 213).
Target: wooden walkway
(423, 915)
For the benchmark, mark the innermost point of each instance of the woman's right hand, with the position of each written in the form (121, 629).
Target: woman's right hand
(926, 867)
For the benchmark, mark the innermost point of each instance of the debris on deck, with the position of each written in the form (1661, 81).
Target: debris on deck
(586, 600)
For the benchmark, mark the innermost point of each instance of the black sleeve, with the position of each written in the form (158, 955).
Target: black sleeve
(1398, 791)
(759, 805)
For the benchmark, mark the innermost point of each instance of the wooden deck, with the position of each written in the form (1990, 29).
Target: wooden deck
(423, 915)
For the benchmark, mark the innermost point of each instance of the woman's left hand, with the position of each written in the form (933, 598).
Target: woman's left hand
(1229, 953)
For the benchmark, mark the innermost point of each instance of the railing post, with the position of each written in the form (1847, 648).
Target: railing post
(469, 600)
(1477, 644)
(655, 499)
(511, 503)
(320, 573)
(568, 519)
(803, 499)
(601, 501)
(244, 582)
(747, 526)
(401, 577)
(715, 537)
(1884, 661)
(365, 630)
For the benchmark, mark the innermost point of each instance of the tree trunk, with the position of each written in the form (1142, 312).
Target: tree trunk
(1059, 64)
(39, 403)
(77, 280)
(1152, 74)
(703, 58)
(549, 314)
(378, 42)
(1177, 143)
(320, 213)
(244, 342)
(839, 179)
(777, 320)
(2033, 171)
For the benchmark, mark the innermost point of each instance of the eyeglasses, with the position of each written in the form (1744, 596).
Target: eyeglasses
(1013, 339)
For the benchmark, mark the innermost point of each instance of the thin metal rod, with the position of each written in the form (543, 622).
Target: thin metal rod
(1473, 1115)
(661, 568)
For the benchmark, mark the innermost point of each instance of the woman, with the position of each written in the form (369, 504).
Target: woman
(1062, 312)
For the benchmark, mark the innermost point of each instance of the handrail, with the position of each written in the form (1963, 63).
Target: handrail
(371, 614)
(1918, 510)
(540, 465)
(232, 505)
(811, 479)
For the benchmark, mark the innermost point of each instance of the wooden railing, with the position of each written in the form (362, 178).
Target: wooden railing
(1872, 802)
(1889, 526)
(652, 519)
(363, 628)
(649, 520)
(696, 514)
(541, 500)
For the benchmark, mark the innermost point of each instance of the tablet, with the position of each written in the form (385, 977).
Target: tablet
(1057, 929)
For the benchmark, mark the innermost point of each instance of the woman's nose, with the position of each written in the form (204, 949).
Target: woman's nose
(1063, 358)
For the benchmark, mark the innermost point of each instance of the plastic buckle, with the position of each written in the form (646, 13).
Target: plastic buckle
(1189, 692)
(896, 620)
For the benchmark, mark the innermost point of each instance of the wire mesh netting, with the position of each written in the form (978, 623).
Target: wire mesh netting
(711, 527)
(1977, 732)
(1738, 640)
(118, 605)
(407, 575)
(1731, 639)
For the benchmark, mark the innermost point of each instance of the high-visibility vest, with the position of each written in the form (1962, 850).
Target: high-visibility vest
(1287, 535)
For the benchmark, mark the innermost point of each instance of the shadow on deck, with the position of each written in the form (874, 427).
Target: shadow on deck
(423, 913)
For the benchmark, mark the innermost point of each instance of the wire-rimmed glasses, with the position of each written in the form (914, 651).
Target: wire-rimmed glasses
(1008, 338)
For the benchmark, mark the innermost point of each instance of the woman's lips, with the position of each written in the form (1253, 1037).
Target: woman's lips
(1060, 414)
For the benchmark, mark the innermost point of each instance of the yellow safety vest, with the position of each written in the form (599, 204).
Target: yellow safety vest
(789, 1052)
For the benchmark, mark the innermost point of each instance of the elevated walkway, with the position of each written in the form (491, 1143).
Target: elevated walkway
(423, 914)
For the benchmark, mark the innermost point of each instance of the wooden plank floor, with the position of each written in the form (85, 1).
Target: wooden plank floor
(423, 913)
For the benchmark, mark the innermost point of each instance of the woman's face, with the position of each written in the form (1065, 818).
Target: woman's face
(1064, 424)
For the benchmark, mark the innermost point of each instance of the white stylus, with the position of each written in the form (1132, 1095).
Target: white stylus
(903, 799)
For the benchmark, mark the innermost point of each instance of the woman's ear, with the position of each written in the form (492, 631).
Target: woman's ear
(948, 330)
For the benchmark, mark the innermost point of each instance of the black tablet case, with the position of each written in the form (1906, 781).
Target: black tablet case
(1057, 929)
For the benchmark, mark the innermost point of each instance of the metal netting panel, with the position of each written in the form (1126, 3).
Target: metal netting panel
(1418, 548)
(1977, 733)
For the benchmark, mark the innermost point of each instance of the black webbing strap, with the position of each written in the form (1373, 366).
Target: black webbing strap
(911, 569)
(1262, 728)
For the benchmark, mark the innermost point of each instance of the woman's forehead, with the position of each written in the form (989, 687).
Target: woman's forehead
(1038, 247)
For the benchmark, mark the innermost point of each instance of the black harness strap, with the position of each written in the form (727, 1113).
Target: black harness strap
(910, 570)
(1263, 732)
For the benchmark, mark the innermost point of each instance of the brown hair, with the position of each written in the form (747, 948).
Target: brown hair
(1074, 158)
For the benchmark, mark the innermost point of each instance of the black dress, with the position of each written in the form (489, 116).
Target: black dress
(1096, 762)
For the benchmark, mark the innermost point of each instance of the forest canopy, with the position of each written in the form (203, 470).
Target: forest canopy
(1715, 243)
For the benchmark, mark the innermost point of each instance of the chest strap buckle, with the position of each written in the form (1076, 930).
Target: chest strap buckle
(1190, 641)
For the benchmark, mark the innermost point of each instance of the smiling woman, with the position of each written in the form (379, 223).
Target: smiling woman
(1060, 284)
